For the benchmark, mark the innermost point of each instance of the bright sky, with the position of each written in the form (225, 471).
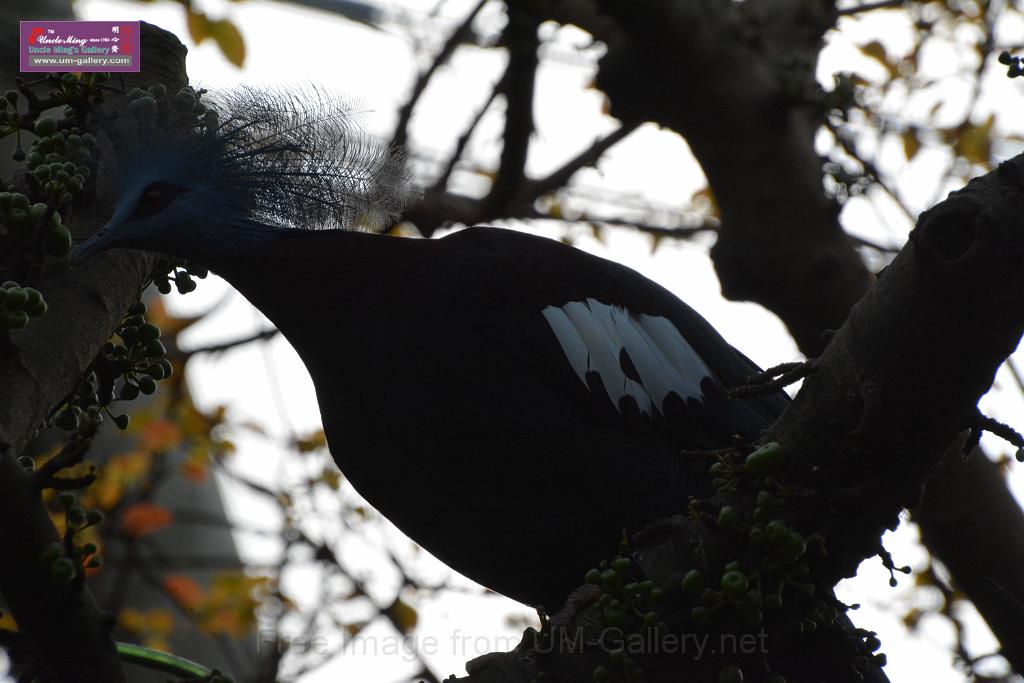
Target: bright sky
(376, 69)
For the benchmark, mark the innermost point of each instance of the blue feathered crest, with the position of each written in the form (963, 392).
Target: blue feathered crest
(283, 158)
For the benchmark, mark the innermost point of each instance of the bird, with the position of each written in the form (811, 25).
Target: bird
(511, 403)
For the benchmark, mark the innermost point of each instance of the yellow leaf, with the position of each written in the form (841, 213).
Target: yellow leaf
(911, 144)
(555, 210)
(7, 622)
(229, 40)
(974, 142)
(403, 615)
(332, 477)
(198, 25)
(145, 518)
(310, 442)
(877, 52)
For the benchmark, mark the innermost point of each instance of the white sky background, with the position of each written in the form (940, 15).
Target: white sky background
(376, 69)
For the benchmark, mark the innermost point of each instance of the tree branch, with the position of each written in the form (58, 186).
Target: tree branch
(65, 631)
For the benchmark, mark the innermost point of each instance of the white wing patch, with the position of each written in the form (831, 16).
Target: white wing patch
(615, 343)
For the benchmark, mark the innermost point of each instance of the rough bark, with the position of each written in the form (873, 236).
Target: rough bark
(68, 636)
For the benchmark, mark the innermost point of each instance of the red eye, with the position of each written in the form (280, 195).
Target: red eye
(154, 199)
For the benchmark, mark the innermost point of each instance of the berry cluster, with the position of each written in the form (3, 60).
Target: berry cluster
(18, 304)
(1013, 64)
(130, 363)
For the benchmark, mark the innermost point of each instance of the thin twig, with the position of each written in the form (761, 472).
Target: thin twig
(588, 157)
(235, 343)
(520, 38)
(457, 37)
(869, 6)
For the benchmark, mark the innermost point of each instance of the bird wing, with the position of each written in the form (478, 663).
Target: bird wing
(614, 338)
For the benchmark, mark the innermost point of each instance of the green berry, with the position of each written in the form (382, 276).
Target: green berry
(45, 126)
(592, 577)
(66, 498)
(129, 391)
(776, 530)
(621, 564)
(143, 106)
(93, 517)
(58, 241)
(94, 562)
(35, 306)
(155, 349)
(62, 569)
(147, 384)
(13, 320)
(148, 331)
(184, 283)
(50, 554)
(121, 421)
(765, 460)
(728, 517)
(15, 299)
(730, 674)
(66, 419)
(693, 583)
(735, 583)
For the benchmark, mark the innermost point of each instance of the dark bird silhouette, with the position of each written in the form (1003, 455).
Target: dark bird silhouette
(511, 403)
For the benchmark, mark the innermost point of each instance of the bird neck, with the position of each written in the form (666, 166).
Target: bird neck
(219, 248)
(298, 276)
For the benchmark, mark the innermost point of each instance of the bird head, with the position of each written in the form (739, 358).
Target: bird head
(238, 165)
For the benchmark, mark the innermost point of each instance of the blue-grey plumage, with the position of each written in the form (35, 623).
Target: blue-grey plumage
(234, 166)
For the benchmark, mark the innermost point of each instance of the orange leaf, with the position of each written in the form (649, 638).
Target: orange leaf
(194, 468)
(145, 518)
(160, 435)
(184, 590)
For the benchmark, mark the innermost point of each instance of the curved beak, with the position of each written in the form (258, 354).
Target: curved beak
(97, 243)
